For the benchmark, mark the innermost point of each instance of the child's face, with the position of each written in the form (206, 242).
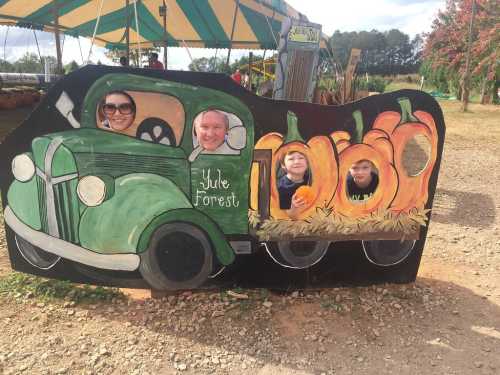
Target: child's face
(361, 172)
(295, 163)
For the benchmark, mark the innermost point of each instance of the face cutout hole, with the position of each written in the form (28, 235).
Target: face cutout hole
(362, 181)
(294, 180)
(416, 155)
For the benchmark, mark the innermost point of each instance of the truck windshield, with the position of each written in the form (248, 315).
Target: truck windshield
(149, 116)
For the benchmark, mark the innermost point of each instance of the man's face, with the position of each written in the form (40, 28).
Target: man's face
(211, 130)
(361, 172)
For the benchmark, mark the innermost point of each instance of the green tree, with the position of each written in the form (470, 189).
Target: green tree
(29, 63)
(6, 67)
(209, 64)
(71, 67)
(446, 45)
(390, 52)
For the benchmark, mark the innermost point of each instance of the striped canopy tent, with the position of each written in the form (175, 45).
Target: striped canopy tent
(243, 24)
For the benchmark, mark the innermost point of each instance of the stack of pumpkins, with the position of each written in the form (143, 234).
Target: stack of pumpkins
(330, 158)
(15, 97)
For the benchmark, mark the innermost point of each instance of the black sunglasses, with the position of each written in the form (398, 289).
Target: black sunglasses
(123, 108)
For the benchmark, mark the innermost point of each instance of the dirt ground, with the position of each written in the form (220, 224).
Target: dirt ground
(447, 322)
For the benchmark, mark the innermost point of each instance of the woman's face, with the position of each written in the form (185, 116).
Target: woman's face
(119, 111)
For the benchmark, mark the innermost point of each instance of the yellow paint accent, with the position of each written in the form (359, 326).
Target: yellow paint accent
(177, 23)
(88, 12)
(23, 8)
(224, 10)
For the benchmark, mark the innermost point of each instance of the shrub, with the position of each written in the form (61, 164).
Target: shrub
(373, 84)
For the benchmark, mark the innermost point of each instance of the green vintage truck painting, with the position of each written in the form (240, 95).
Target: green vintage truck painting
(151, 197)
(108, 200)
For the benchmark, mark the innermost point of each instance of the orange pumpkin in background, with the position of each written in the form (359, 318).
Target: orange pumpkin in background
(375, 147)
(321, 157)
(413, 189)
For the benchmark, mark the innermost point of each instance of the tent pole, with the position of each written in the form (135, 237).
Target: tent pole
(237, 6)
(80, 47)
(55, 10)
(163, 13)
(38, 47)
(127, 31)
(250, 68)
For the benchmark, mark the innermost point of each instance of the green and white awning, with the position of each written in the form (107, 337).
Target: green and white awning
(246, 24)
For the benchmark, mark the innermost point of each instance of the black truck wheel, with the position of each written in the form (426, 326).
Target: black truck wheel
(35, 256)
(387, 252)
(297, 254)
(179, 256)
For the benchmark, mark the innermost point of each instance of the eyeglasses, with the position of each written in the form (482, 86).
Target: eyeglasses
(123, 108)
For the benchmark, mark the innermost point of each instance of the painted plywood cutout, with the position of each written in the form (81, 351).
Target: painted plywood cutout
(184, 180)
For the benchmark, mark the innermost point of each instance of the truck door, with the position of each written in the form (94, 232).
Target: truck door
(220, 177)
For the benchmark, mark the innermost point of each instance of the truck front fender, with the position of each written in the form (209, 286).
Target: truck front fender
(116, 225)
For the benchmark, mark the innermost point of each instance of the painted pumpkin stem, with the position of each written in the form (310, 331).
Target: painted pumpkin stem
(292, 133)
(406, 112)
(358, 131)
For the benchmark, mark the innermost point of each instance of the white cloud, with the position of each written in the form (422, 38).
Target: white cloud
(410, 16)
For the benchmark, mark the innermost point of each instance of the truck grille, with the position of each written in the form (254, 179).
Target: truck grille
(67, 210)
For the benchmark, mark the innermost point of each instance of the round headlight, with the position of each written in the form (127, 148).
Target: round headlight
(23, 168)
(91, 190)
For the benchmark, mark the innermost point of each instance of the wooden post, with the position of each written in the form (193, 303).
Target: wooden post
(127, 31)
(55, 10)
(465, 82)
(236, 7)
(263, 158)
(348, 92)
(250, 61)
(163, 13)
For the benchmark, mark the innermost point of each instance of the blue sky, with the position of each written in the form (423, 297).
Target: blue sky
(410, 16)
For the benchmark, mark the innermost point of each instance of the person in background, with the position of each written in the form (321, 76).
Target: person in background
(154, 63)
(236, 76)
(123, 61)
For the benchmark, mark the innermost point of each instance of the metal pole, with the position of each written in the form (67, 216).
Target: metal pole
(250, 62)
(55, 10)
(465, 86)
(237, 6)
(38, 47)
(163, 12)
(127, 31)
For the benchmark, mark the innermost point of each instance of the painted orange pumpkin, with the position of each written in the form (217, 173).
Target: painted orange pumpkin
(377, 148)
(413, 189)
(321, 157)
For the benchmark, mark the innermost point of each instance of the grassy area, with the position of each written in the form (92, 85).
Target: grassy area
(480, 121)
(394, 86)
(19, 285)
